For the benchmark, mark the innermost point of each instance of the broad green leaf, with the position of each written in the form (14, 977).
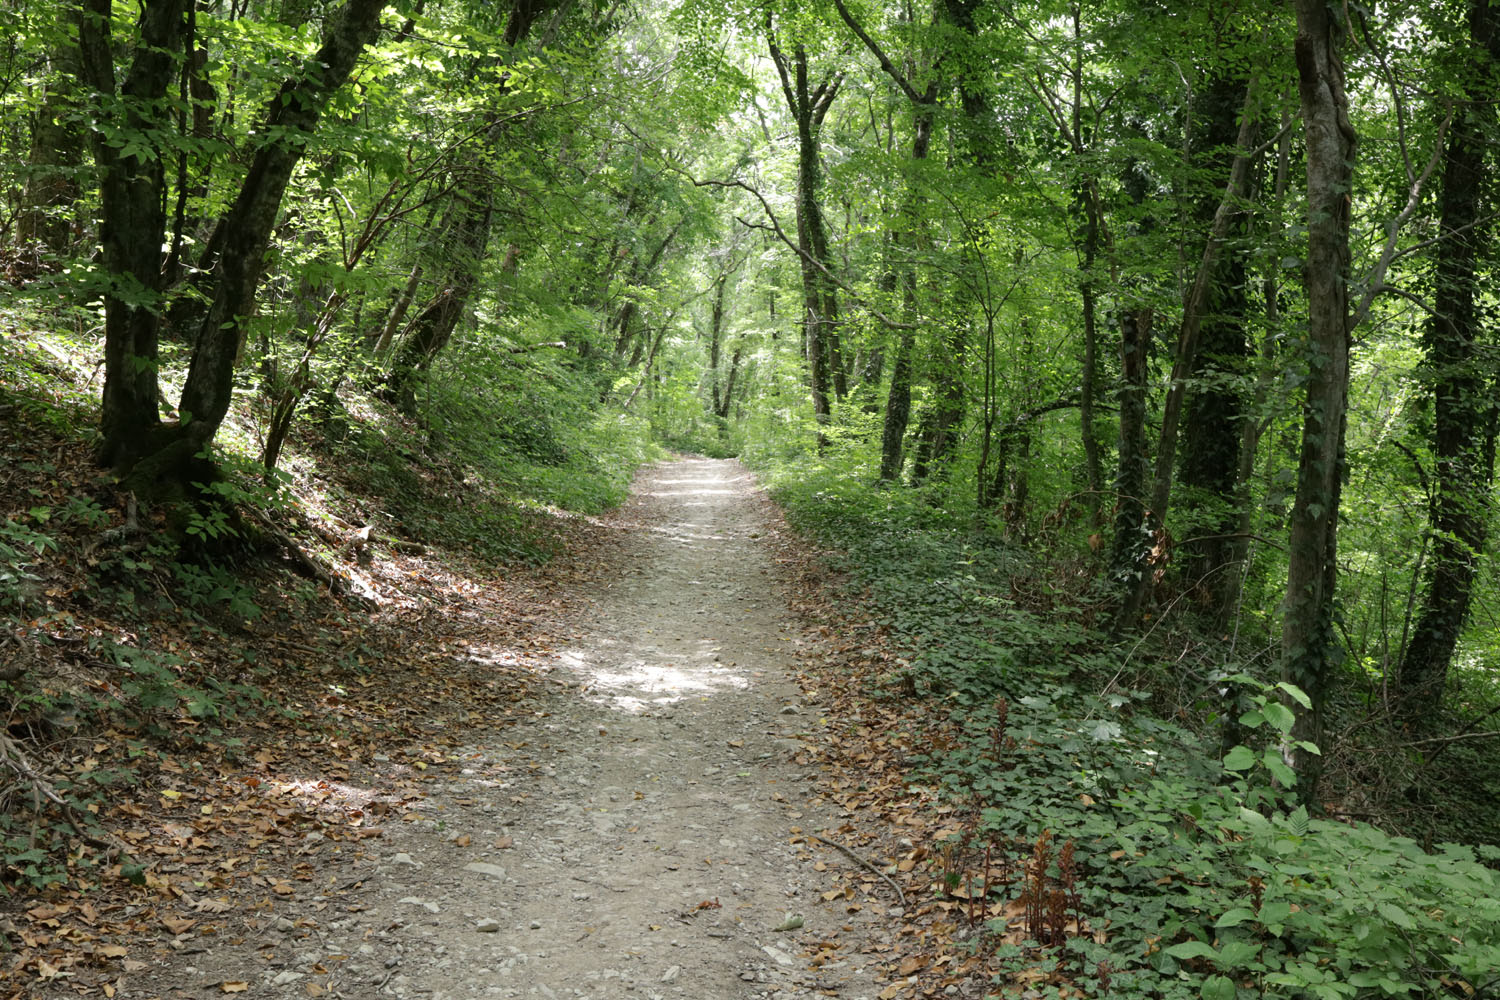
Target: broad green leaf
(1218, 988)
(1395, 915)
(1235, 917)
(1274, 911)
(1296, 693)
(1192, 949)
(1240, 758)
(1235, 954)
(1279, 716)
(1278, 768)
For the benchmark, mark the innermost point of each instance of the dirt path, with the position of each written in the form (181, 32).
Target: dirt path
(635, 839)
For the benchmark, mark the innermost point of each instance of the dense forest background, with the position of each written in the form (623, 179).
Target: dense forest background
(1136, 362)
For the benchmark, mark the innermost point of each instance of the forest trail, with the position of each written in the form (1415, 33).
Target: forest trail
(634, 838)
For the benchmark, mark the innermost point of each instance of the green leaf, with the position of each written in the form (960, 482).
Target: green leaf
(1237, 954)
(1279, 716)
(1240, 758)
(1296, 693)
(1192, 949)
(1235, 917)
(1218, 988)
(1274, 912)
(1297, 822)
(1278, 768)
(1395, 915)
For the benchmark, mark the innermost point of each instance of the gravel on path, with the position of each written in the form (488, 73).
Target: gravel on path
(636, 838)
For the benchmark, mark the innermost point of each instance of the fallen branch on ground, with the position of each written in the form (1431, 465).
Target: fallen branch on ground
(15, 758)
(867, 864)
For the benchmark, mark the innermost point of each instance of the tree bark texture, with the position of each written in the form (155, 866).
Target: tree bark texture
(132, 195)
(1212, 350)
(1130, 556)
(820, 312)
(1462, 383)
(1310, 651)
(290, 121)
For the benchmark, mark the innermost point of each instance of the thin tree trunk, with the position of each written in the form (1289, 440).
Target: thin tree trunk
(809, 106)
(291, 118)
(1252, 422)
(1184, 358)
(132, 191)
(433, 327)
(399, 309)
(1310, 650)
(1093, 467)
(1130, 555)
(897, 410)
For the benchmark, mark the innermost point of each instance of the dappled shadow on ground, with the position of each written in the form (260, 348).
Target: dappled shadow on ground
(651, 677)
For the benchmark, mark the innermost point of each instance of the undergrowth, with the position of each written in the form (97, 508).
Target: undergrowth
(1147, 860)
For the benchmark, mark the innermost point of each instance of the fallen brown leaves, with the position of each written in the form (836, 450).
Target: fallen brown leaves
(227, 821)
(861, 745)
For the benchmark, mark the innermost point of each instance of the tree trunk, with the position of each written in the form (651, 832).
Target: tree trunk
(398, 312)
(809, 107)
(57, 152)
(433, 327)
(1087, 289)
(1252, 421)
(1309, 649)
(132, 191)
(1088, 378)
(734, 373)
(1213, 312)
(716, 339)
(1463, 389)
(940, 434)
(291, 118)
(897, 410)
(1130, 555)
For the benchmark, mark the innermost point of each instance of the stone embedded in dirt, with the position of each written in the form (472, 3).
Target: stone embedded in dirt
(404, 859)
(283, 978)
(790, 710)
(487, 926)
(777, 955)
(485, 868)
(536, 925)
(426, 904)
(672, 973)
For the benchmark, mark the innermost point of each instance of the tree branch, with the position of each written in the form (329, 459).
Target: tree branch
(1393, 230)
(879, 54)
(776, 228)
